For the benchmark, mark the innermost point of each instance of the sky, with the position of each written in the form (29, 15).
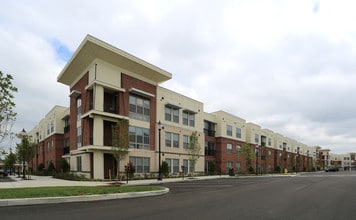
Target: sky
(288, 66)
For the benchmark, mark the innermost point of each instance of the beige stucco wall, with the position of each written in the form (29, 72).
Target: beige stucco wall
(55, 115)
(168, 97)
(223, 119)
(251, 130)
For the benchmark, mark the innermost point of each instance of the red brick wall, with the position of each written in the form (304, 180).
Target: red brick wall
(79, 86)
(128, 82)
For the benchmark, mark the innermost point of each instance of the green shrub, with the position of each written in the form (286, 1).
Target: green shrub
(65, 167)
(40, 167)
(51, 168)
(164, 168)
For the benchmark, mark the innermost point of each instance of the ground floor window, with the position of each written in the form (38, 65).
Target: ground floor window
(185, 164)
(229, 165)
(173, 165)
(142, 164)
(238, 167)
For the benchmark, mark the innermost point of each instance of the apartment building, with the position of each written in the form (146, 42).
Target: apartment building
(224, 135)
(49, 136)
(340, 161)
(180, 116)
(108, 85)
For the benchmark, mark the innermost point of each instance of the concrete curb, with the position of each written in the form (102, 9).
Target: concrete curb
(67, 199)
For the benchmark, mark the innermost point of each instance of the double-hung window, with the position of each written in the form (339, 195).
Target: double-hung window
(139, 108)
(185, 141)
(229, 148)
(229, 130)
(238, 132)
(139, 138)
(189, 118)
(172, 113)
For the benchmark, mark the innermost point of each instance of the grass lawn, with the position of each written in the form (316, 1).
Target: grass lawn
(60, 191)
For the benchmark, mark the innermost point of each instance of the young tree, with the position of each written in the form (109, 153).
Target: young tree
(7, 105)
(120, 142)
(248, 154)
(193, 149)
(10, 161)
(25, 151)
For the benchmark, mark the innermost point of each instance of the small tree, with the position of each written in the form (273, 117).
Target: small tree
(25, 151)
(10, 161)
(130, 169)
(120, 142)
(248, 154)
(193, 150)
(164, 168)
(7, 105)
(40, 167)
(211, 168)
(65, 166)
(51, 168)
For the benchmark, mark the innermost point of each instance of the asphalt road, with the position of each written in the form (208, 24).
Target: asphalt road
(316, 196)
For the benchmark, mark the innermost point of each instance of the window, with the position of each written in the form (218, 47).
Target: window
(139, 138)
(176, 140)
(185, 164)
(269, 141)
(79, 137)
(142, 164)
(229, 130)
(238, 167)
(189, 118)
(175, 165)
(256, 138)
(139, 108)
(79, 108)
(79, 164)
(229, 165)
(185, 141)
(172, 137)
(52, 126)
(238, 149)
(229, 148)
(238, 132)
(48, 129)
(169, 163)
(168, 139)
(172, 113)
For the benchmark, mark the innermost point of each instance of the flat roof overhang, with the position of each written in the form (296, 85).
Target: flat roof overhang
(92, 48)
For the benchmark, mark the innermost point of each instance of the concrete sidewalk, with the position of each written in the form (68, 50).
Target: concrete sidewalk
(40, 181)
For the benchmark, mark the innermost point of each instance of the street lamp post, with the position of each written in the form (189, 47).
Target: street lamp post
(159, 151)
(23, 135)
(256, 159)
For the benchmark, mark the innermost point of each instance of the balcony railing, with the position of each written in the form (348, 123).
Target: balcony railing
(66, 150)
(210, 133)
(66, 129)
(210, 152)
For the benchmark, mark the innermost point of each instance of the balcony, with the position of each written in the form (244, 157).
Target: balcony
(210, 152)
(110, 109)
(208, 132)
(66, 150)
(67, 129)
